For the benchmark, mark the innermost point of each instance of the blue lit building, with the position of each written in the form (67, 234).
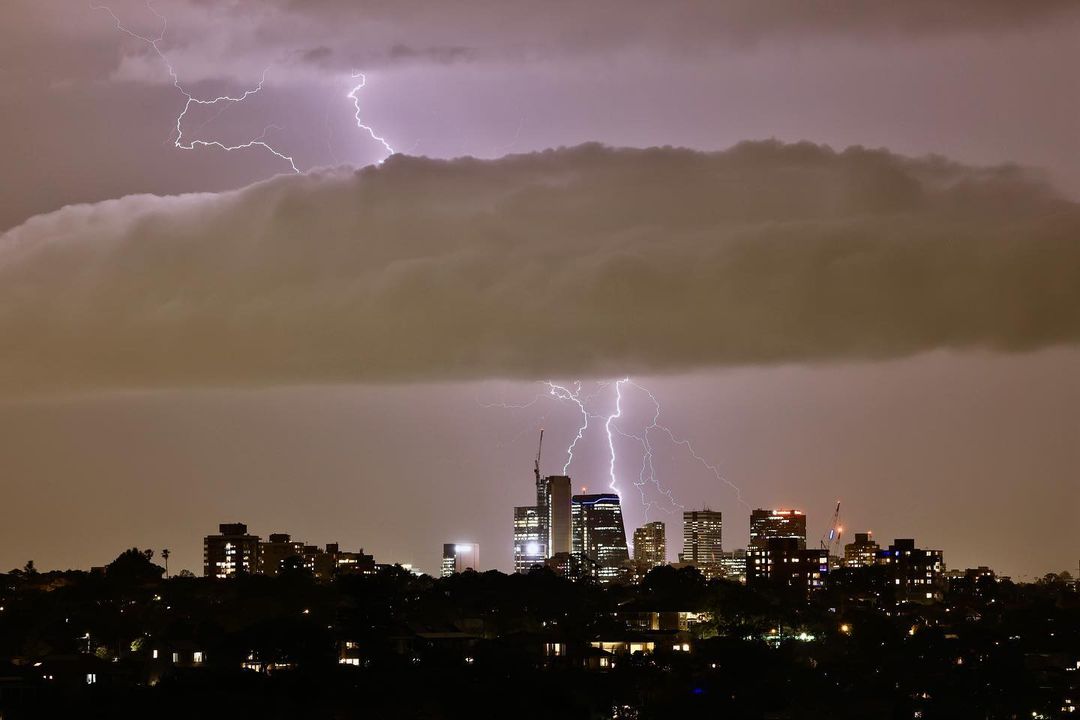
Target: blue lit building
(599, 535)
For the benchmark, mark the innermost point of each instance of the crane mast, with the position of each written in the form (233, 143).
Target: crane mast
(831, 540)
(541, 495)
(536, 465)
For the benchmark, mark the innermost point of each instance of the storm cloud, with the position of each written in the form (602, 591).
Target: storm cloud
(582, 261)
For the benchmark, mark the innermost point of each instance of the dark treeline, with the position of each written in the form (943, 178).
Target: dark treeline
(490, 645)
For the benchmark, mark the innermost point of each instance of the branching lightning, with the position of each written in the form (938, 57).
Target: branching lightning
(190, 99)
(655, 425)
(562, 393)
(224, 101)
(612, 421)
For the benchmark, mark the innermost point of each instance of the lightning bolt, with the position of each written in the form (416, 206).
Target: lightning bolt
(356, 103)
(191, 100)
(656, 426)
(611, 440)
(559, 393)
(225, 101)
(611, 423)
(562, 393)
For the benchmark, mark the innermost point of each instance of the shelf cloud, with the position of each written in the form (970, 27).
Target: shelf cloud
(579, 261)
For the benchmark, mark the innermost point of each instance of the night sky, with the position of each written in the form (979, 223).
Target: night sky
(839, 243)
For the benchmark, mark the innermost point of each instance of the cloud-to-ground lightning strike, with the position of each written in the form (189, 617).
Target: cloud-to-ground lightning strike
(356, 103)
(679, 441)
(611, 424)
(610, 439)
(190, 99)
(562, 393)
(647, 474)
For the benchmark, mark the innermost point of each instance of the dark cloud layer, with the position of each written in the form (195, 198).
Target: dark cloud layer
(223, 40)
(565, 26)
(587, 260)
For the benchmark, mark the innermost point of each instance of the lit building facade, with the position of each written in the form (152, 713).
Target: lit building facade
(768, 525)
(278, 548)
(863, 552)
(916, 575)
(599, 535)
(530, 538)
(231, 552)
(572, 566)
(459, 557)
(323, 563)
(702, 537)
(318, 562)
(347, 562)
(650, 546)
(783, 564)
(733, 565)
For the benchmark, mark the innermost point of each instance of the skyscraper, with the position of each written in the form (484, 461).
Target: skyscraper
(231, 552)
(532, 523)
(650, 546)
(530, 538)
(459, 557)
(776, 524)
(702, 537)
(557, 503)
(598, 533)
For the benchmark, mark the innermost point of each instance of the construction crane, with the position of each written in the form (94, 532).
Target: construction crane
(541, 495)
(536, 465)
(830, 541)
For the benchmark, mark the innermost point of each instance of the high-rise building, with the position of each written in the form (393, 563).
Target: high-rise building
(557, 503)
(916, 575)
(279, 548)
(766, 525)
(733, 565)
(862, 552)
(544, 529)
(347, 562)
(231, 552)
(599, 535)
(650, 546)
(702, 537)
(318, 562)
(459, 557)
(531, 529)
(783, 564)
(323, 563)
(530, 538)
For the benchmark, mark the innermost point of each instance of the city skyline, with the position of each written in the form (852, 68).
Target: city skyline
(738, 516)
(335, 265)
(234, 551)
(742, 337)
